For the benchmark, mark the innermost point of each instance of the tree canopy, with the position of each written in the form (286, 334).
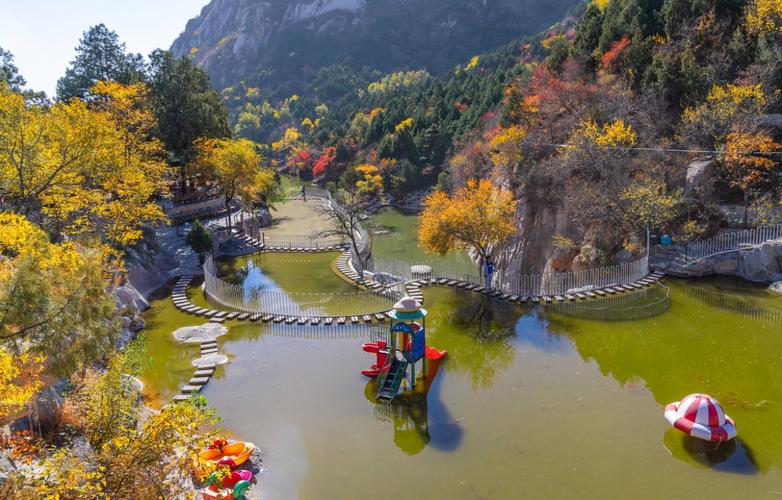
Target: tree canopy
(100, 56)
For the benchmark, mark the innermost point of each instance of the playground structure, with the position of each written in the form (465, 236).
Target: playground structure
(397, 359)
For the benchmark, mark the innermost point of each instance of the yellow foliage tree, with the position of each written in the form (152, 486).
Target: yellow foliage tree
(236, 165)
(20, 380)
(764, 17)
(53, 297)
(476, 217)
(748, 164)
(650, 204)
(726, 107)
(91, 170)
(613, 134)
(372, 182)
(506, 146)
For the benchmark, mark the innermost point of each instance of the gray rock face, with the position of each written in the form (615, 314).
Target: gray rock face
(762, 264)
(235, 40)
(700, 174)
(127, 296)
(776, 287)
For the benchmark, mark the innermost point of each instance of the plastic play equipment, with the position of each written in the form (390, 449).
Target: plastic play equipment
(230, 454)
(397, 359)
(231, 487)
(702, 417)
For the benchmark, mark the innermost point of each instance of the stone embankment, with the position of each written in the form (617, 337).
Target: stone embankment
(760, 263)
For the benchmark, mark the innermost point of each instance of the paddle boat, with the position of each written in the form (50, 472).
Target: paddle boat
(221, 452)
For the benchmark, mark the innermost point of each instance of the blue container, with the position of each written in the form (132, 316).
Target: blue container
(666, 239)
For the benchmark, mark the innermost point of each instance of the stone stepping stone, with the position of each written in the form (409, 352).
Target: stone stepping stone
(479, 289)
(303, 320)
(559, 298)
(201, 311)
(328, 321)
(221, 314)
(524, 299)
(217, 320)
(243, 317)
(267, 317)
(590, 295)
(379, 317)
(208, 351)
(278, 319)
(210, 313)
(341, 320)
(290, 320)
(514, 298)
(198, 381)
(581, 295)
(204, 373)
(569, 297)
(232, 315)
(189, 389)
(354, 319)
(367, 318)
(255, 317)
(315, 321)
(180, 397)
(209, 365)
(535, 300)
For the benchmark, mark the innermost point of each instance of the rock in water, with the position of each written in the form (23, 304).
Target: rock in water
(776, 287)
(198, 334)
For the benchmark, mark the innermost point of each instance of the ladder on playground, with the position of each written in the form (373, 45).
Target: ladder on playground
(391, 376)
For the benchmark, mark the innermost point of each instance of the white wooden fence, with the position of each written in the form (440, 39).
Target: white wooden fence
(732, 241)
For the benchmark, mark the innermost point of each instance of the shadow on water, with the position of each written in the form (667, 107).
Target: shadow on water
(733, 456)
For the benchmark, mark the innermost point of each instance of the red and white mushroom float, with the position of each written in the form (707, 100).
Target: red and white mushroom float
(702, 417)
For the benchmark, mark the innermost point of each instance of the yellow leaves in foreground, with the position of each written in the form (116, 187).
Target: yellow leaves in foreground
(725, 103)
(476, 216)
(506, 145)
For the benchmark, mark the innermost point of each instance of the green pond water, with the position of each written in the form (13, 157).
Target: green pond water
(530, 402)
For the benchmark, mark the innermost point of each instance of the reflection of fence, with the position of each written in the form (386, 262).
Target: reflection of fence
(644, 303)
(736, 304)
(259, 301)
(563, 283)
(733, 241)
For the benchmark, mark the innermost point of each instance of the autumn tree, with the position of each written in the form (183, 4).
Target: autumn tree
(9, 73)
(53, 298)
(20, 380)
(477, 217)
(748, 165)
(650, 204)
(236, 166)
(90, 171)
(764, 17)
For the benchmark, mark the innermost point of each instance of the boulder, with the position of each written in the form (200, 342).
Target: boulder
(776, 287)
(762, 263)
(199, 334)
(579, 263)
(699, 176)
(127, 296)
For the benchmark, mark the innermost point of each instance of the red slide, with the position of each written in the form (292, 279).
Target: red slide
(432, 353)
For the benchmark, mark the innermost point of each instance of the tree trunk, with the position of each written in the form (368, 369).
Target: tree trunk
(746, 210)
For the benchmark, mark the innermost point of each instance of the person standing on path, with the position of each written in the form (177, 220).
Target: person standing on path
(489, 272)
(304, 192)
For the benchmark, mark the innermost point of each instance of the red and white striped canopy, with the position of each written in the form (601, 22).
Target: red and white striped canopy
(701, 416)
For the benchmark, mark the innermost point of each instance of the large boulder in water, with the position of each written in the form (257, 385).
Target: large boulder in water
(199, 334)
(763, 263)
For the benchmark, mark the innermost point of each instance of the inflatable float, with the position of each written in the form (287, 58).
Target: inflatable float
(702, 417)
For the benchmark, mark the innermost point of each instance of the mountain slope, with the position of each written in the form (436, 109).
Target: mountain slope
(280, 44)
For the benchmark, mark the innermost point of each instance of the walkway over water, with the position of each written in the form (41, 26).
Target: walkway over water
(734, 241)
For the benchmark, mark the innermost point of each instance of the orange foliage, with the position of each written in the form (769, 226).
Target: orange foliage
(612, 56)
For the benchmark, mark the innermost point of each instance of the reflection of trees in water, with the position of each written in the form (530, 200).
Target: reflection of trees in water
(478, 329)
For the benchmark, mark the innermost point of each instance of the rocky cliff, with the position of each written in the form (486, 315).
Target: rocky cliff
(280, 43)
